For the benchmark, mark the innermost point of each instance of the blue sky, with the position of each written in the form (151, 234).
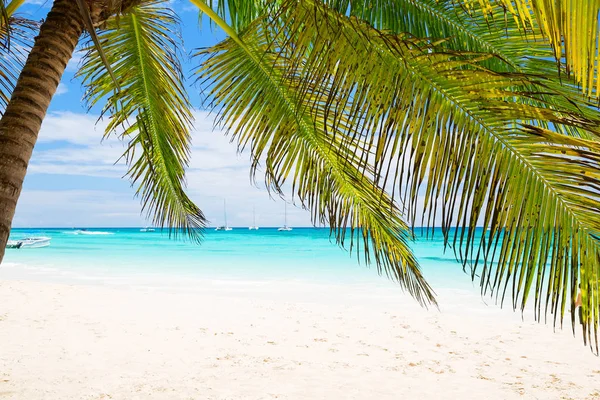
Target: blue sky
(72, 180)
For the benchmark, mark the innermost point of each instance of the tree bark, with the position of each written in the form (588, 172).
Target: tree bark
(22, 120)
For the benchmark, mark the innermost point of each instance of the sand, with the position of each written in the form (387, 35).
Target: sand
(280, 340)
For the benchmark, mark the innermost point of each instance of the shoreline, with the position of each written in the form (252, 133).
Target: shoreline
(285, 340)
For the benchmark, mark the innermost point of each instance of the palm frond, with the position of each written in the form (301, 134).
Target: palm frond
(456, 29)
(570, 25)
(91, 30)
(238, 14)
(152, 108)
(432, 122)
(3, 14)
(493, 33)
(13, 53)
(294, 144)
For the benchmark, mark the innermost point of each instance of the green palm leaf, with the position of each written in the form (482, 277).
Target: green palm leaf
(294, 144)
(570, 25)
(240, 13)
(433, 122)
(492, 33)
(16, 39)
(151, 107)
(4, 17)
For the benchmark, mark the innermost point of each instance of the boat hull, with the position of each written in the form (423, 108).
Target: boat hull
(29, 243)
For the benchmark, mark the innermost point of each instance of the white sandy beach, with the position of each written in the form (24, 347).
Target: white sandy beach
(277, 341)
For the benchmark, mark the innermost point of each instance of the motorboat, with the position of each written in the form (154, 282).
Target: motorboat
(147, 229)
(29, 243)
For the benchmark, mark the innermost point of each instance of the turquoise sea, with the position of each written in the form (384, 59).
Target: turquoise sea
(304, 254)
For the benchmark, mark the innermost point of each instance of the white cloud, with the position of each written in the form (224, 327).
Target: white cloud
(61, 89)
(75, 128)
(75, 61)
(71, 145)
(72, 208)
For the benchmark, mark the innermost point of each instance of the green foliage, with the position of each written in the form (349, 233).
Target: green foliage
(433, 123)
(151, 108)
(290, 138)
(16, 39)
(570, 25)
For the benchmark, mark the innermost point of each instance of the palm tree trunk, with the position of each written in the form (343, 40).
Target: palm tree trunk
(22, 120)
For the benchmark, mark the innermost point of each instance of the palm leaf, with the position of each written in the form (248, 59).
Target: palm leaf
(434, 122)
(238, 14)
(151, 108)
(91, 30)
(3, 16)
(16, 40)
(570, 25)
(492, 33)
(294, 145)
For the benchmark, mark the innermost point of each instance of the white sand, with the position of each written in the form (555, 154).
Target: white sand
(283, 341)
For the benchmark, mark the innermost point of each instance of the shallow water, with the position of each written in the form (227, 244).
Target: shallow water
(304, 254)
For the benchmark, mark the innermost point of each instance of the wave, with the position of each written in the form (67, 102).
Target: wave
(80, 232)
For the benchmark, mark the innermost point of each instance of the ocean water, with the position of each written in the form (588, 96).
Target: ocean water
(127, 254)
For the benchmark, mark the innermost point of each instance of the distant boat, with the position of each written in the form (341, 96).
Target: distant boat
(253, 227)
(29, 243)
(224, 227)
(285, 227)
(147, 229)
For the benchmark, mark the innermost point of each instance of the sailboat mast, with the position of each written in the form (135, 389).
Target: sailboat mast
(285, 215)
(253, 216)
(225, 211)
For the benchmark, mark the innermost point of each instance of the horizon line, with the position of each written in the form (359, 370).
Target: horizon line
(207, 227)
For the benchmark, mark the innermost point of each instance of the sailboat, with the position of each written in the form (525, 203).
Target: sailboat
(224, 227)
(253, 227)
(285, 227)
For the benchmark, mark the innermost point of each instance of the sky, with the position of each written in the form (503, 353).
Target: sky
(73, 181)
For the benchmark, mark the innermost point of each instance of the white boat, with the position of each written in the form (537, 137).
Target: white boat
(12, 244)
(147, 229)
(224, 227)
(285, 227)
(29, 243)
(253, 227)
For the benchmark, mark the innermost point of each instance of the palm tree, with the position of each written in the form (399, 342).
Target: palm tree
(381, 115)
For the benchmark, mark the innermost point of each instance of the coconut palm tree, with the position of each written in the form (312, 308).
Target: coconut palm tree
(382, 115)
